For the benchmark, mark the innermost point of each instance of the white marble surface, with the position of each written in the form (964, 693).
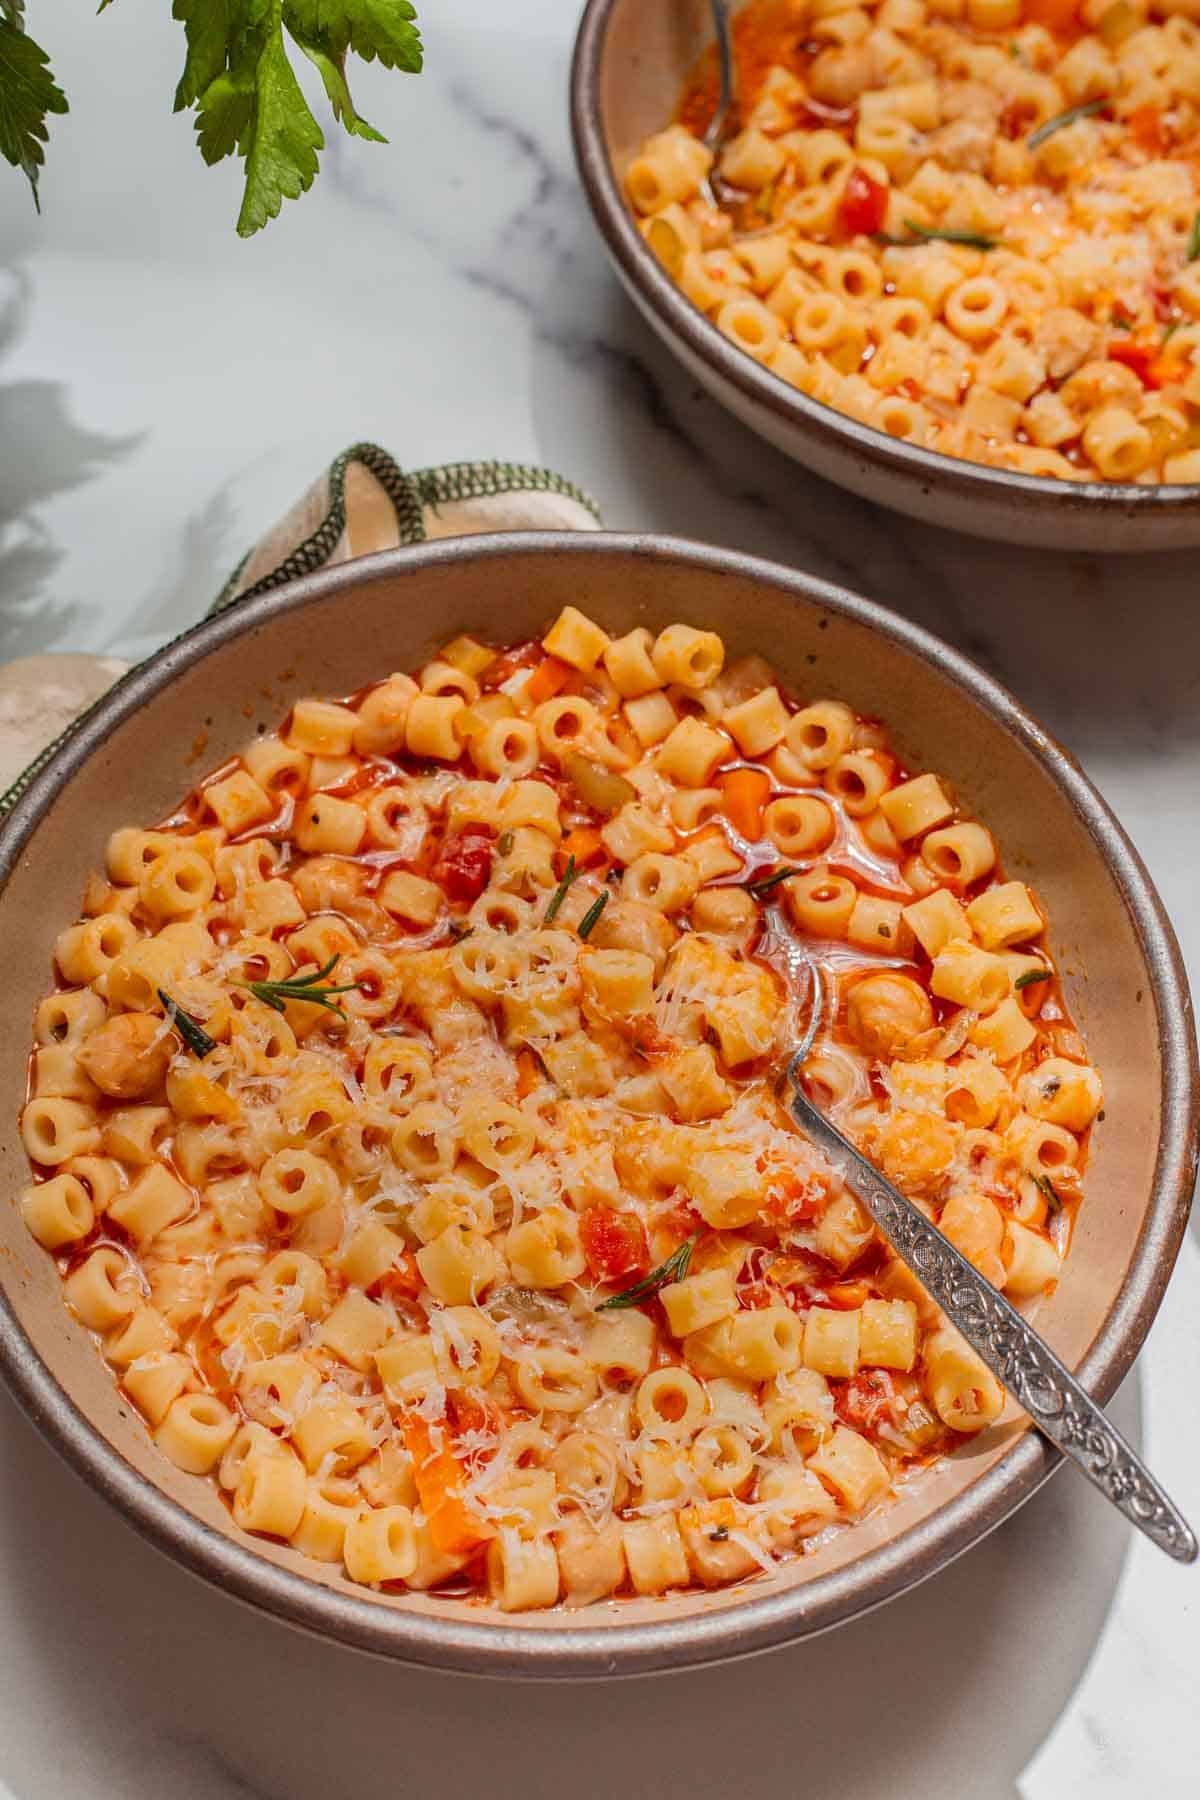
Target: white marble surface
(165, 390)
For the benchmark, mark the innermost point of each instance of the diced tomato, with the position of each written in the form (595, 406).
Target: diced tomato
(402, 1281)
(464, 864)
(866, 1401)
(757, 1294)
(468, 1412)
(863, 205)
(1148, 130)
(614, 1243)
(503, 668)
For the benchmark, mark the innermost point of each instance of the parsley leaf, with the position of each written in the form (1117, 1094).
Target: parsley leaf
(238, 76)
(28, 91)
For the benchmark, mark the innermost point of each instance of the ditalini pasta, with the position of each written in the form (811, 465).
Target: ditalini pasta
(405, 1126)
(971, 224)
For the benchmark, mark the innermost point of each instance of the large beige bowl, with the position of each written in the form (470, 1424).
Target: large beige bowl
(631, 60)
(334, 632)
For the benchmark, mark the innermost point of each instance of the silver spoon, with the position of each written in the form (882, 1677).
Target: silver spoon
(995, 1330)
(716, 191)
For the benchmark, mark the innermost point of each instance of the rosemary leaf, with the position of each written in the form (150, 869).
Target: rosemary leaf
(1053, 1197)
(308, 988)
(1032, 975)
(673, 1269)
(1061, 120)
(759, 889)
(190, 1030)
(591, 917)
(932, 234)
(570, 874)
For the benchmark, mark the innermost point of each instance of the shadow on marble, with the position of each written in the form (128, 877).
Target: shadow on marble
(47, 454)
(169, 1687)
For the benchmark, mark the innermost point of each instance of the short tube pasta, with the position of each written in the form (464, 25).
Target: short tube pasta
(462, 1236)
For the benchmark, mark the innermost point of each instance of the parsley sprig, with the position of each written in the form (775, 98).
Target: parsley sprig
(239, 81)
(190, 1030)
(673, 1269)
(307, 988)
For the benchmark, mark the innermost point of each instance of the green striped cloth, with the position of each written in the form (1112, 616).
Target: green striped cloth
(363, 501)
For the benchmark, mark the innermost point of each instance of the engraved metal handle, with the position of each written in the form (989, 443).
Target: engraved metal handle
(1005, 1340)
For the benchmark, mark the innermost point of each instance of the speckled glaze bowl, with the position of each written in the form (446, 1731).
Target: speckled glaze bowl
(632, 58)
(332, 633)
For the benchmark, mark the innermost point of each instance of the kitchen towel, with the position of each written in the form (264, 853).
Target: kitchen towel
(363, 502)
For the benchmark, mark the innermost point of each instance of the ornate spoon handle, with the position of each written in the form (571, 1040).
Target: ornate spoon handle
(1006, 1341)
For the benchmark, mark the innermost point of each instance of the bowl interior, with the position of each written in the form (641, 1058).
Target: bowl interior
(632, 60)
(340, 630)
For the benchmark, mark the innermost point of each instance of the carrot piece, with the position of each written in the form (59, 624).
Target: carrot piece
(1055, 15)
(584, 844)
(455, 1530)
(548, 679)
(848, 1294)
(528, 1074)
(743, 795)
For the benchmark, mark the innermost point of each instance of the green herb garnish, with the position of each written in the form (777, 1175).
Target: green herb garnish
(1061, 120)
(570, 874)
(1193, 243)
(1032, 975)
(673, 1269)
(1053, 1197)
(932, 234)
(1172, 328)
(718, 1534)
(761, 888)
(504, 843)
(1120, 323)
(276, 994)
(237, 80)
(189, 1029)
(591, 917)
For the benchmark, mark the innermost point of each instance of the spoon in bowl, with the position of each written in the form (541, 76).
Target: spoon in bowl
(1001, 1336)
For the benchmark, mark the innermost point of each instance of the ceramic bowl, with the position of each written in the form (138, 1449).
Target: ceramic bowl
(336, 631)
(632, 58)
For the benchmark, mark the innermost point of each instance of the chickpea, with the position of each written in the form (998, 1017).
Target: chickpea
(128, 1056)
(629, 925)
(327, 884)
(839, 76)
(915, 1150)
(886, 1012)
(728, 910)
(1063, 1093)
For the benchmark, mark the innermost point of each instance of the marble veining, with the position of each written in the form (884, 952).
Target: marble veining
(165, 392)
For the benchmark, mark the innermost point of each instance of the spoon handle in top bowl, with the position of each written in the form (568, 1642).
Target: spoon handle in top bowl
(1006, 1342)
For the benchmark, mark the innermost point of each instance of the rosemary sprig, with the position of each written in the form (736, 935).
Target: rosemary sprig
(570, 874)
(1053, 1197)
(591, 917)
(276, 994)
(1032, 975)
(673, 1269)
(1193, 243)
(1061, 120)
(759, 889)
(190, 1030)
(932, 234)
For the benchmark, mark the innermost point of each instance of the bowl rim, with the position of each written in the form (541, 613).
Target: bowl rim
(583, 1651)
(823, 424)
